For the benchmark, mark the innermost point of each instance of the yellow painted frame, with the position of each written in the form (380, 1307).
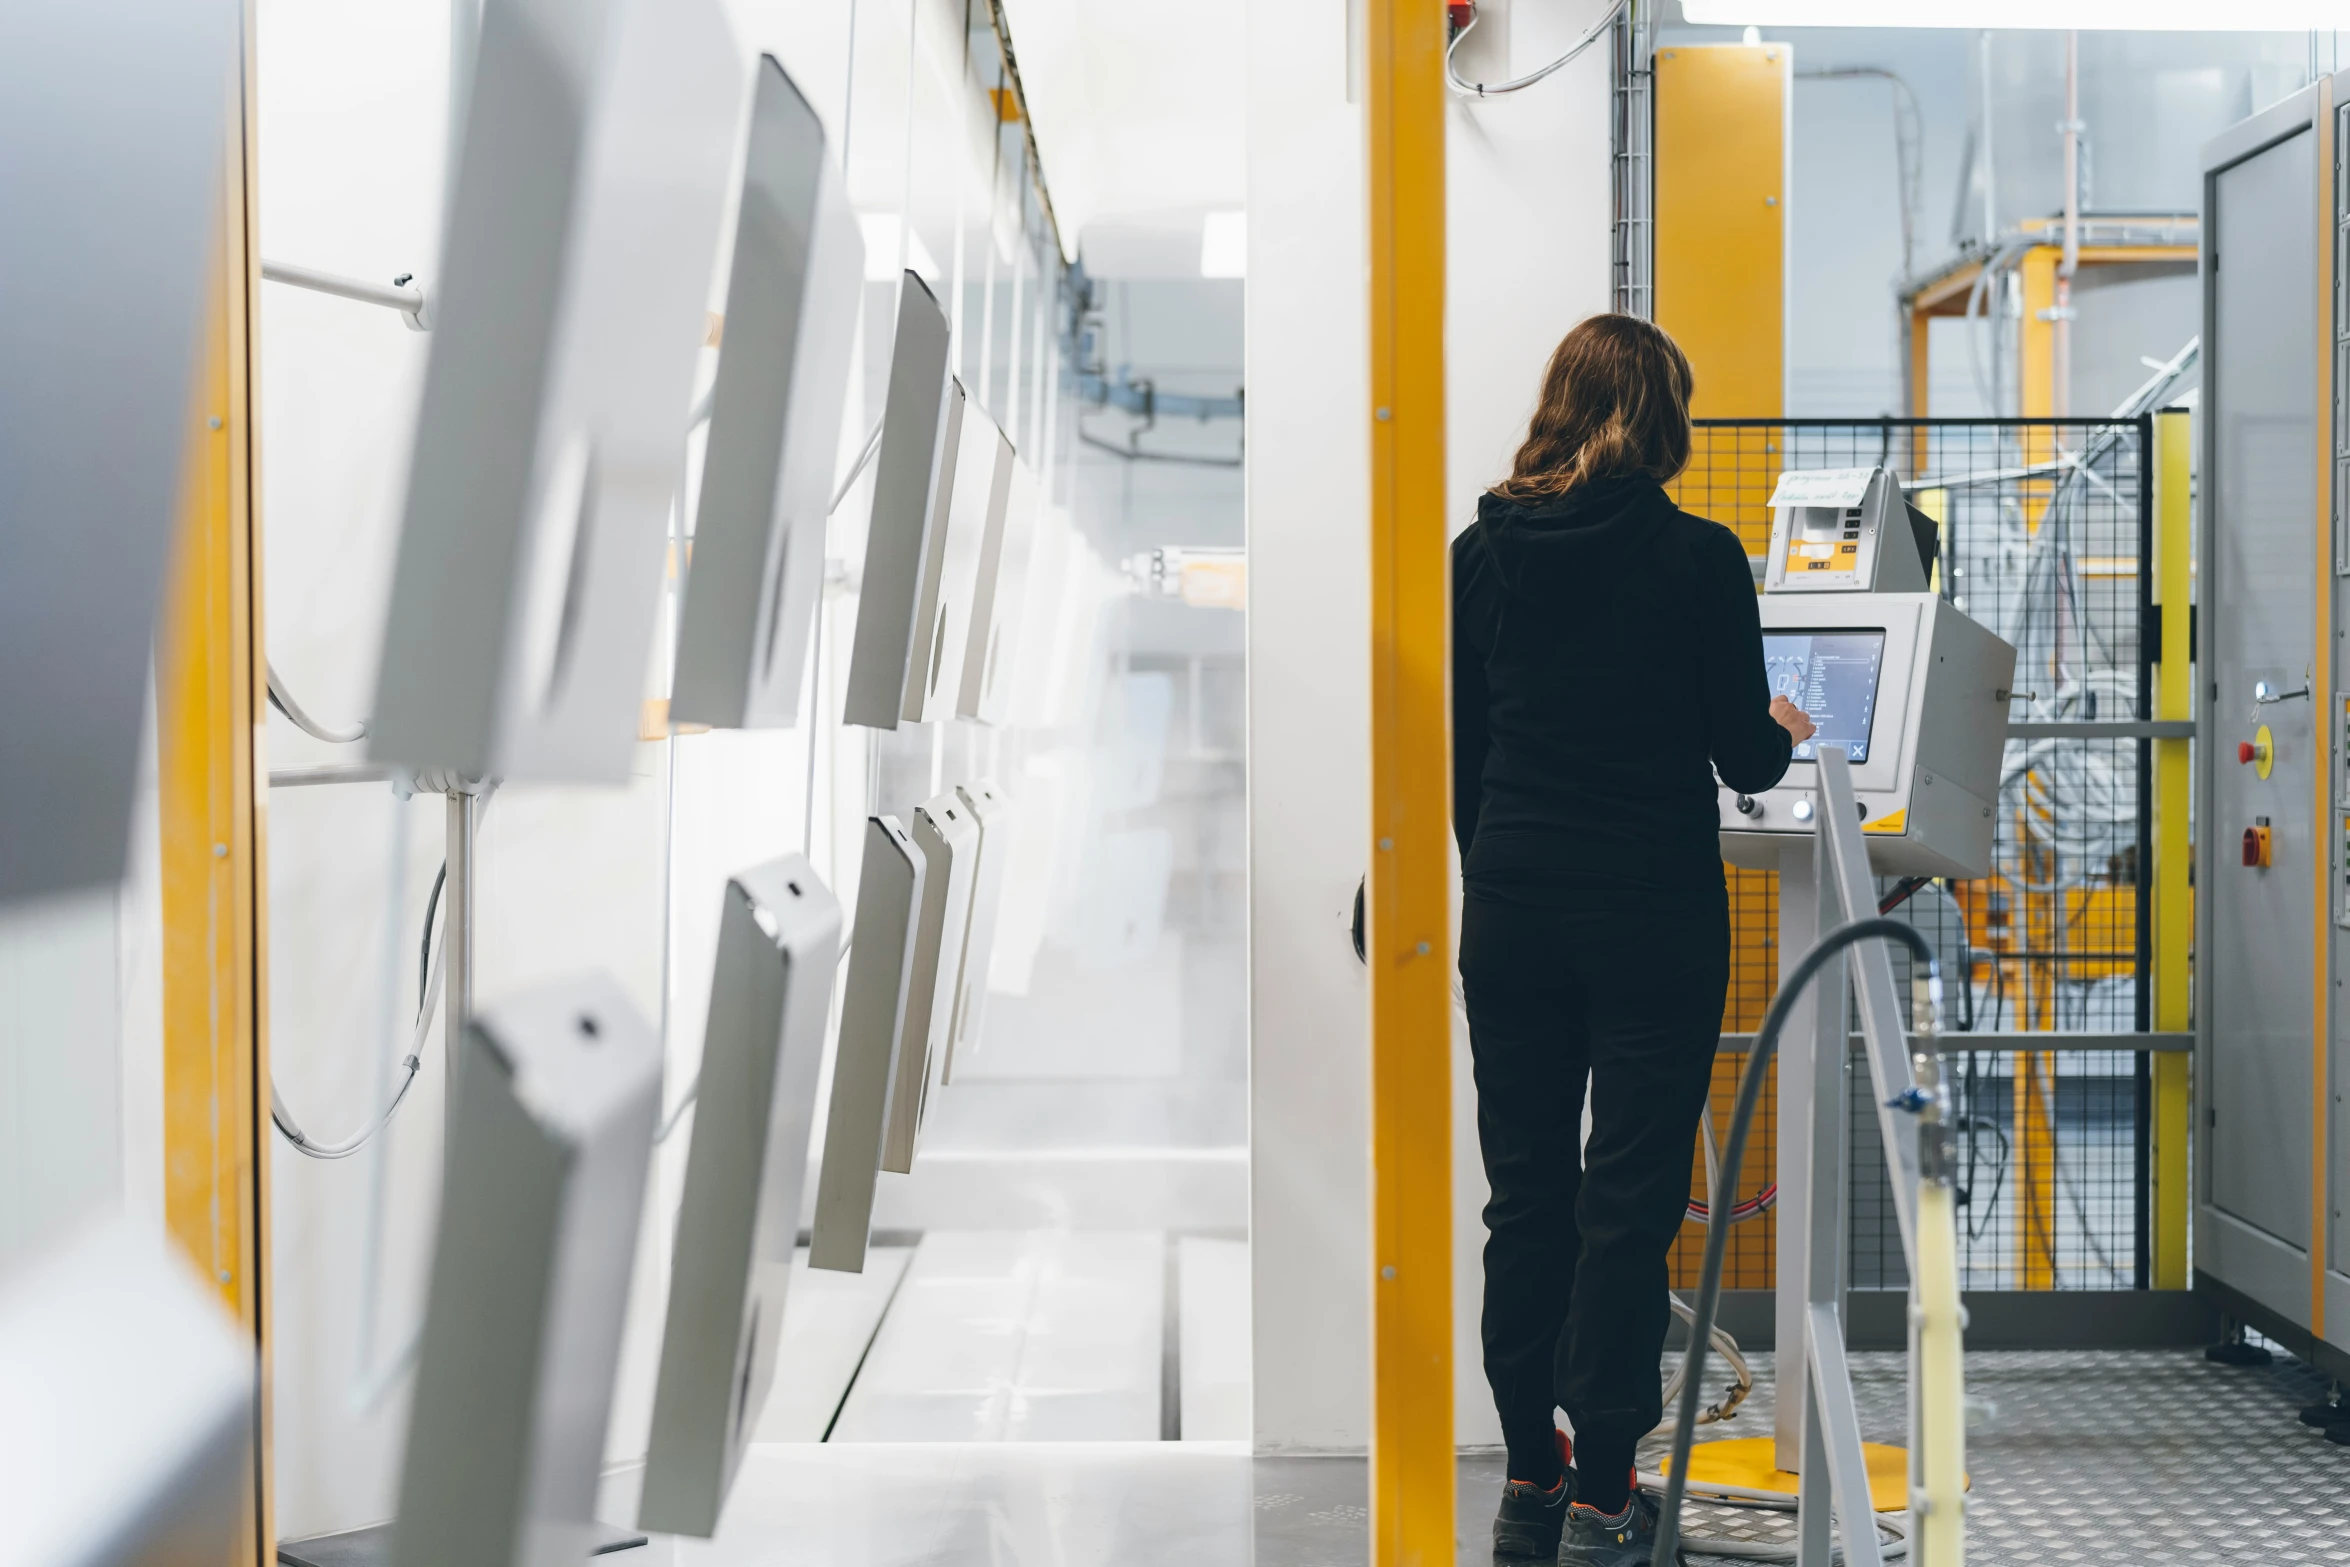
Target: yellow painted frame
(1947, 294)
(1408, 905)
(2174, 897)
(209, 673)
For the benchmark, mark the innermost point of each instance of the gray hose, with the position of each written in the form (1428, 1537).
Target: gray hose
(1717, 1237)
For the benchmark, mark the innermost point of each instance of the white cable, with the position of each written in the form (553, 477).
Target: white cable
(283, 701)
(1520, 83)
(1726, 1347)
(413, 1062)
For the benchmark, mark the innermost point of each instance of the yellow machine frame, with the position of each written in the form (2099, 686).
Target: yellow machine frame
(209, 676)
(1408, 901)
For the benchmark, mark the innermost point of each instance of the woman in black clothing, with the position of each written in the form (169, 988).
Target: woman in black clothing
(1607, 665)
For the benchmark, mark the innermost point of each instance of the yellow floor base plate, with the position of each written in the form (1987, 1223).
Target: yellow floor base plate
(1751, 1462)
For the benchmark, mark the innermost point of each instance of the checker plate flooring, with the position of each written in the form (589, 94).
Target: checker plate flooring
(2118, 1458)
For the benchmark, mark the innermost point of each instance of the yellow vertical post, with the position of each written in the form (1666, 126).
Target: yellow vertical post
(208, 707)
(1721, 290)
(2034, 1072)
(1919, 326)
(1409, 904)
(2321, 1089)
(2174, 896)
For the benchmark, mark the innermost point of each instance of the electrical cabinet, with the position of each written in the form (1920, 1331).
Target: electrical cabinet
(2271, 809)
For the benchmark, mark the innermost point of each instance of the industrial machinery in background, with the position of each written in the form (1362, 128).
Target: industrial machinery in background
(1910, 698)
(2272, 796)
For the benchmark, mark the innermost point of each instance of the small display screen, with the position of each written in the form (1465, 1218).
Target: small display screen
(1832, 675)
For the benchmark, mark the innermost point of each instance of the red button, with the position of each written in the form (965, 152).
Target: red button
(2246, 751)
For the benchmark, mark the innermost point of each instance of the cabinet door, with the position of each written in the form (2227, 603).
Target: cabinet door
(2259, 601)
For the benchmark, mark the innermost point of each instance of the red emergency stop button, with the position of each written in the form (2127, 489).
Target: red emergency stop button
(2247, 752)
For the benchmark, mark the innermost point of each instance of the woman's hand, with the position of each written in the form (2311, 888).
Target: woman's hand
(1793, 719)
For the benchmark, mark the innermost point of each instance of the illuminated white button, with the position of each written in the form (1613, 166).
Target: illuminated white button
(1803, 810)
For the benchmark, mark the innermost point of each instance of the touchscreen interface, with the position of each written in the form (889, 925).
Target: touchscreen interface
(1832, 675)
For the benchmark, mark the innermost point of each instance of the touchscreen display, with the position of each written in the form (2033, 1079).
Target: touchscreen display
(1832, 675)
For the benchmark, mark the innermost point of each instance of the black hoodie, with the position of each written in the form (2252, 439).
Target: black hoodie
(1607, 663)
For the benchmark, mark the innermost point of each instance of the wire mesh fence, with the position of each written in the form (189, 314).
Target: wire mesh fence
(2046, 539)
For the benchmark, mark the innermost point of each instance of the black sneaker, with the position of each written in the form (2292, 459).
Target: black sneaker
(1530, 1519)
(2333, 1412)
(1593, 1539)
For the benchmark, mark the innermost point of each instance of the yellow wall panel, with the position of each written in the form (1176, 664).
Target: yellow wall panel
(1721, 290)
(1721, 220)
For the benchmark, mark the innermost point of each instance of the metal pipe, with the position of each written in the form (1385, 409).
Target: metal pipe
(1990, 158)
(332, 773)
(407, 300)
(2060, 355)
(457, 929)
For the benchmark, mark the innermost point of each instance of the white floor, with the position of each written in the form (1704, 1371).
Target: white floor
(1018, 1336)
(829, 1320)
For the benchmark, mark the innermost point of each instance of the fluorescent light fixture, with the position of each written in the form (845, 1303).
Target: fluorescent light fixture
(882, 261)
(2148, 16)
(1223, 245)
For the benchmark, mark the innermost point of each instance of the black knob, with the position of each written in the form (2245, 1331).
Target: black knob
(1748, 805)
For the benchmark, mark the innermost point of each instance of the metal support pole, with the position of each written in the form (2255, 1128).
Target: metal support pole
(457, 928)
(1816, 1433)
(1815, 1035)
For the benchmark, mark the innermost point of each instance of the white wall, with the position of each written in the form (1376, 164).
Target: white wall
(1528, 197)
(1528, 193)
(1309, 729)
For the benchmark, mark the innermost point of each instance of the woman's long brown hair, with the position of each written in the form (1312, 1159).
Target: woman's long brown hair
(1615, 401)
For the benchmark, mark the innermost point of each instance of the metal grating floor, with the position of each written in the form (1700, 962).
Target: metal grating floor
(2118, 1458)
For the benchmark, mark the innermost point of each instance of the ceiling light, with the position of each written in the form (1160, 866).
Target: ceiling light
(1223, 245)
(2132, 15)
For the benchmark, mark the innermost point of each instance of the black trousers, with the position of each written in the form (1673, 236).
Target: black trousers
(1622, 986)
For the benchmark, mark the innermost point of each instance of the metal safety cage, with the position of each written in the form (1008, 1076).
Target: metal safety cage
(2046, 537)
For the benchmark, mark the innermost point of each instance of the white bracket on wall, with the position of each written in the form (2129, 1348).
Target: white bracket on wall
(403, 293)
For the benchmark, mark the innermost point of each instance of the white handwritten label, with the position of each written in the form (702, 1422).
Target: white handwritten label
(1823, 487)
